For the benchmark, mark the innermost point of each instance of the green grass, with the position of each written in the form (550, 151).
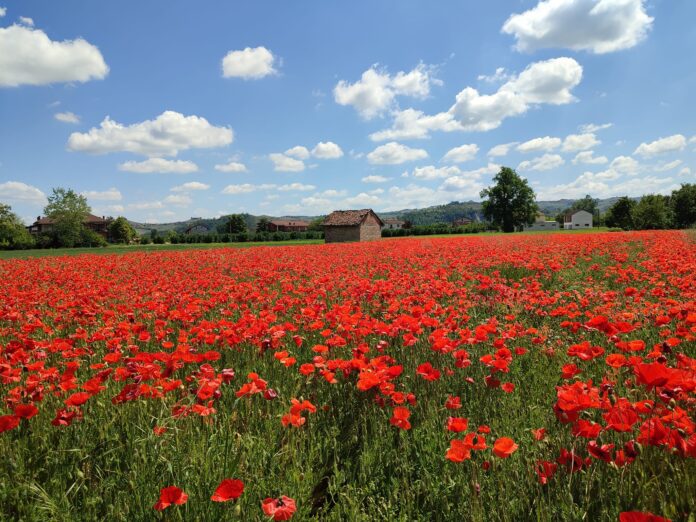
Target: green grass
(126, 249)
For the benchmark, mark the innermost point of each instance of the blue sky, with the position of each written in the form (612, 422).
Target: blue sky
(163, 110)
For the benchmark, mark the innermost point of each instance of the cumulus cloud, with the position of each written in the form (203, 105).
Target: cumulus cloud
(25, 20)
(3, 11)
(181, 200)
(190, 186)
(112, 194)
(501, 150)
(375, 178)
(283, 163)
(232, 166)
(249, 64)
(298, 152)
(500, 75)
(394, 153)
(243, 188)
(546, 143)
(376, 90)
(432, 172)
(545, 162)
(589, 158)
(67, 117)
(596, 26)
(294, 187)
(625, 165)
(601, 187)
(327, 150)
(577, 142)
(159, 165)
(664, 167)
(589, 128)
(545, 82)
(166, 135)
(461, 154)
(29, 57)
(673, 143)
(18, 191)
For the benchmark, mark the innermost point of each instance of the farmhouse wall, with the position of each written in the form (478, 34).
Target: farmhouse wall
(341, 234)
(371, 229)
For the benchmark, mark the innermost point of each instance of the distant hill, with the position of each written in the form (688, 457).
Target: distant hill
(421, 216)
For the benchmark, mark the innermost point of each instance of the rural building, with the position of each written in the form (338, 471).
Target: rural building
(393, 224)
(460, 222)
(287, 225)
(43, 225)
(542, 223)
(352, 225)
(577, 219)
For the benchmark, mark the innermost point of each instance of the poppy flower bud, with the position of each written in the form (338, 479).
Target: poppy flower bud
(217, 394)
(270, 394)
(227, 375)
(265, 345)
(486, 465)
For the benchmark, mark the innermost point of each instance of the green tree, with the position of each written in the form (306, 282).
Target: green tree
(620, 214)
(652, 212)
(588, 203)
(13, 233)
(316, 225)
(510, 203)
(121, 231)
(683, 203)
(68, 211)
(232, 224)
(262, 224)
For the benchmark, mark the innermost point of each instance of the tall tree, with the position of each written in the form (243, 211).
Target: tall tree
(262, 224)
(620, 214)
(13, 233)
(121, 231)
(68, 210)
(652, 213)
(233, 224)
(587, 203)
(683, 203)
(511, 202)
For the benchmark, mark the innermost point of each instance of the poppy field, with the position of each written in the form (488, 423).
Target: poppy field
(503, 378)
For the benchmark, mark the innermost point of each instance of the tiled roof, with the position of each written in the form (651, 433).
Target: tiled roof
(91, 218)
(347, 218)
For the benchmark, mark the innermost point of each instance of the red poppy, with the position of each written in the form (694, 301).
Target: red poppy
(539, 434)
(171, 495)
(229, 489)
(457, 424)
(637, 516)
(400, 418)
(25, 411)
(77, 399)
(282, 508)
(459, 451)
(504, 447)
(8, 422)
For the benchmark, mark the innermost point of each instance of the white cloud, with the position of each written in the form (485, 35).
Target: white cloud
(112, 194)
(394, 153)
(283, 163)
(146, 205)
(166, 135)
(232, 166)
(411, 124)
(191, 185)
(592, 127)
(545, 162)
(577, 142)
(3, 11)
(546, 82)
(159, 165)
(250, 64)
(18, 191)
(499, 76)
(599, 187)
(597, 26)
(686, 171)
(363, 200)
(109, 209)
(376, 90)
(673, 143)
(546, 143)
(375, 179)
(667, 166)
(67, 117)
(298, 152)
(181, 200)
(625, 165)
(25, 20)
(244, 188)
(462, 153)
(296, 187)
(501, 150)
(29, 57)
(432, 172)
(327, 150)
(588, 157)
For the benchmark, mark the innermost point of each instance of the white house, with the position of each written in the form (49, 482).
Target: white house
(577, 219)
(541, 223)
(393, 224)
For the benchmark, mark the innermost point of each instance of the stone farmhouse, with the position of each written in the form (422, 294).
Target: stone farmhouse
(352, 225)
(393, 224)
(287, 225)
(577, 219)
(100, 225)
